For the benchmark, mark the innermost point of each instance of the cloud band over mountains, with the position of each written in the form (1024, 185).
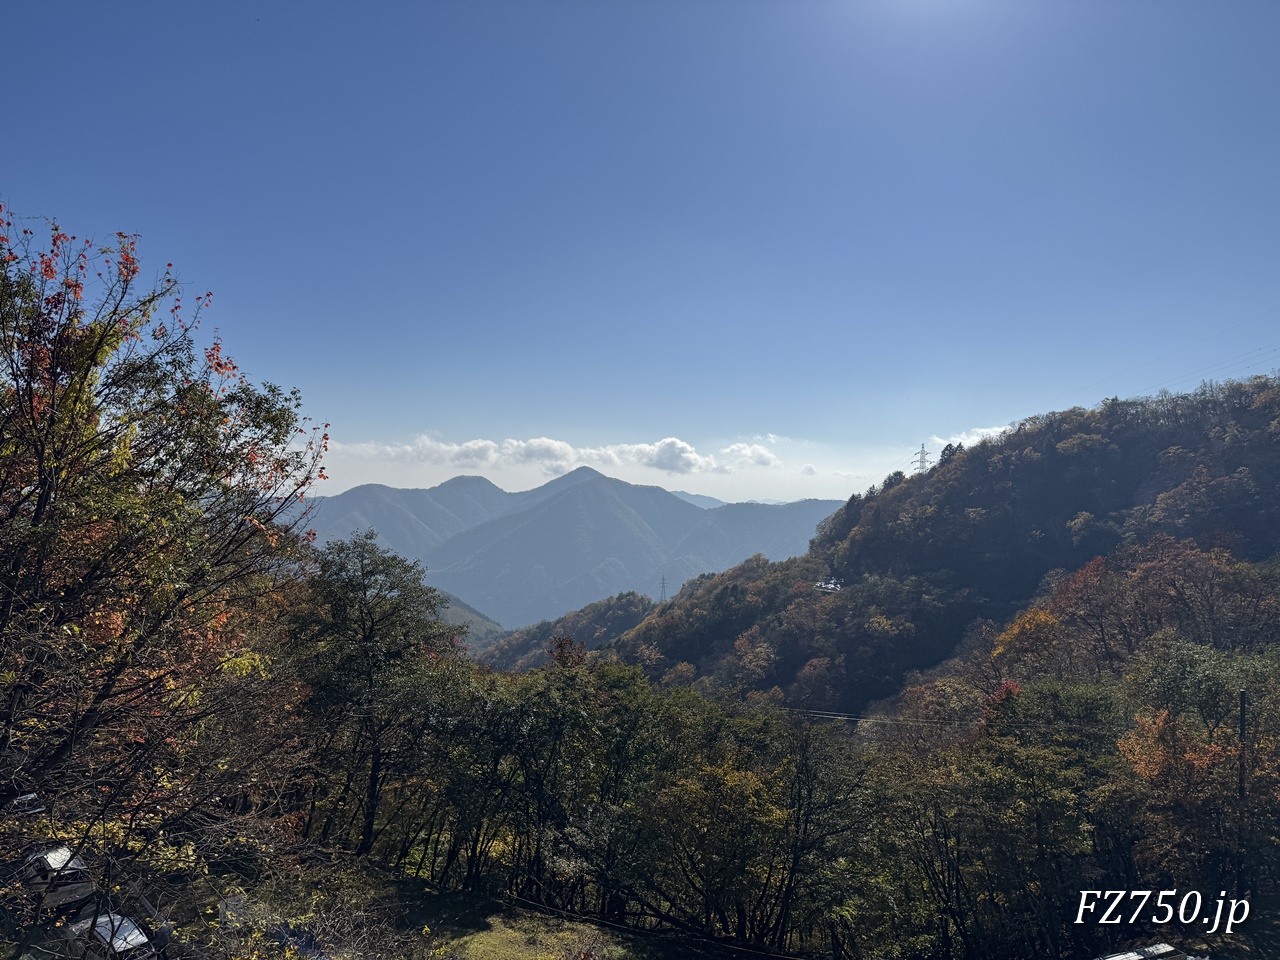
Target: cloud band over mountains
(671, 455)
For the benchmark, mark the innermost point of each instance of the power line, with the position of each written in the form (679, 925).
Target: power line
(854, 718)
(1245, 360)
(1216, 337)
(936, 722)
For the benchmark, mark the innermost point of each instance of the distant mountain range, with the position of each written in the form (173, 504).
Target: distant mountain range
(699, 500)
(534, 555)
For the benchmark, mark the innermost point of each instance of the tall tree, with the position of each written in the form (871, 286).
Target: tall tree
(371, 648)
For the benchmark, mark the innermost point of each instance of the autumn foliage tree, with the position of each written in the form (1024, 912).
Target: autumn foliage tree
(148, 492)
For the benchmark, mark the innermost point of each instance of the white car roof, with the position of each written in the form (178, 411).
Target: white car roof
(59, 858)
(121, 932)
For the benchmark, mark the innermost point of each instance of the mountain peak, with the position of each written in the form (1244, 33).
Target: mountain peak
(467, 481)
(572, 478)
(581, 473)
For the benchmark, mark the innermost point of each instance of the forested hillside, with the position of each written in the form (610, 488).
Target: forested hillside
(253, 747)
(593, 626)
(923, 558)
(479, 630)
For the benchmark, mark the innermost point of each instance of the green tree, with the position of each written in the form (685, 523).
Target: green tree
(371, 650)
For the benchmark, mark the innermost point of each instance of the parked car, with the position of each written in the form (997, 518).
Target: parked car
(60, 877)
(109, 936)
(27, 805)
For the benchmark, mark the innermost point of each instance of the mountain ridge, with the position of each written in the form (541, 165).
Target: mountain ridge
(523, 557)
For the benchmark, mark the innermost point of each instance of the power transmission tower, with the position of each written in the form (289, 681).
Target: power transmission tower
(922, 460)
(664, 589)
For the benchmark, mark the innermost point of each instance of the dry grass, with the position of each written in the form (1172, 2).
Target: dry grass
(474, 928)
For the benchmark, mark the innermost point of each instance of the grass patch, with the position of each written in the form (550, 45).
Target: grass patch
(479, 928)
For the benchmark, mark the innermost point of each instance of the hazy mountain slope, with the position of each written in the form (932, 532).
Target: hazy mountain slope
(699, 500)
(411, 522)
(924, 557)
(481, 631)
(742, 529)
(529, 556)
(593, 540)
(593, 626)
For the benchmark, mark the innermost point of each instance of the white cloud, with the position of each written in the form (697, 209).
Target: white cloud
(554, 457)
(968, 437)
(809, 470)
(751, 454)
(672, 455)
(474, 453)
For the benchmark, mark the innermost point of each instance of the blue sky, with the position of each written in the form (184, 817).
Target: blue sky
(748, 249)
